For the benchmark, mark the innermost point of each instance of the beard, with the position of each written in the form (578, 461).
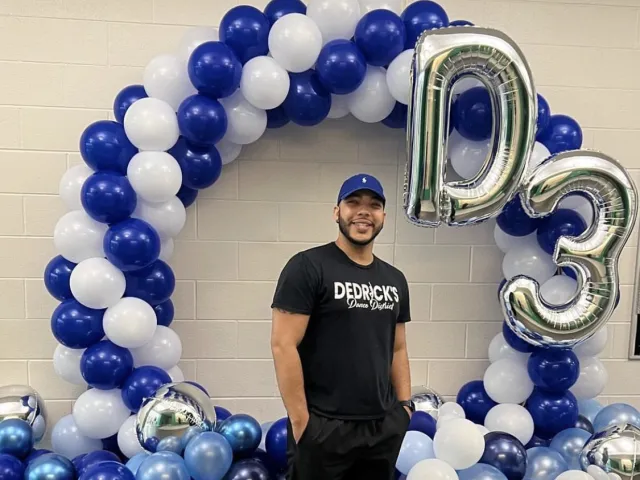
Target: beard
(344, 229)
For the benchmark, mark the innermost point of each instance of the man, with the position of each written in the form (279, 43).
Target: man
(338, 343)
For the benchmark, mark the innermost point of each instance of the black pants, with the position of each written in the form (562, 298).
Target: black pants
(332, 449)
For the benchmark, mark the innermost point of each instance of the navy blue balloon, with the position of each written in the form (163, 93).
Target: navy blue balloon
(544, 113)
(472, 114)
(76, 326)
(308, 102)
(221, 412)
(108, 197)
(248, 469)
(153, 284)
(514, 341)
(506, 453)
(277, 118)
(201, 166)
(131, 244)
(16, 437)
(584, 424)
(33, 455)
(91, 459)
(214, 70)
(243, 432)
(475, 401)
(77, 460)
(561, 223)
(202, 120)
(537, 442)
(57, 275)
(552, 412)
(110, 444)
(143, 382)
(514, 221)
(341, 67)
(555, 370)
(276, 9)
(420, 16)
(187, 195)
(125, 98)
(381, 36)
(561, 134)
(50, 466)
(276, 443)
(246, 30)
(261, 456)
(460, 23)
(164, 312)
(10, 467)
(398, 116)
(106, 365)
(104, 146)
(107, 470)
(423, 422)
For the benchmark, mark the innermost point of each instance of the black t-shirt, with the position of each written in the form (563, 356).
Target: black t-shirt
(347, 349)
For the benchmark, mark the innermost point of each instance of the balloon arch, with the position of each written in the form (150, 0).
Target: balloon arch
(534, 413)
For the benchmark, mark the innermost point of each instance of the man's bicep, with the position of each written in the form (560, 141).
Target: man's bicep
(288, 328)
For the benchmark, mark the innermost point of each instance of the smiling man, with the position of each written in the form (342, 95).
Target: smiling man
(339, 347)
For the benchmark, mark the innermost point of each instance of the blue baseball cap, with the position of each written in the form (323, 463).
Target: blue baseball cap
(361, 181)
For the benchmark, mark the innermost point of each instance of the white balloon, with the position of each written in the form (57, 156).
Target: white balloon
(368, 5)
(193, 38)
(71, 183)
(128, 439)
(432, 469)
(68, 441)
(167, 218)
(528, 259)
(100, 413)
(451, 408)
(506, 242)
(339, 106)
(228, 151)
(264, 83)
(162, 351)
(510, 418)
(66, 364)
(166, 78)
(507, 381)
(459, 443)
(574, 475)
(499, 349)
(442, 419)
(482, 429)
(595, 345)
(166, 249)
(467, 156)
(151, 124)
(155, 176)
(130, 323)
(97, 283)
(295, 42)
(592, 380)
(372, 101)
(78, 237)
(581, 205)
(336, 19)
(398, 76)
(538, 155)
(246, 123)
(597, 473)
(558, 290)
(176, 374)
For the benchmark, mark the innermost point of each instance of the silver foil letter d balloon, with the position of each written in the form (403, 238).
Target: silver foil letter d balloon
(441, 58)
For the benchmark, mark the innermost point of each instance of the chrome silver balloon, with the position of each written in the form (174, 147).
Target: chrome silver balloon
(171, 411)
(441, 58)
(594, 255)
(426, 400)
(25, 403)
(614, 450)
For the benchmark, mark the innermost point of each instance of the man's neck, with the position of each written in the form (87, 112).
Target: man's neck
(362, 254)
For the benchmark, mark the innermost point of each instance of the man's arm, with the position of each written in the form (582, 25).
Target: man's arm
(400, 372)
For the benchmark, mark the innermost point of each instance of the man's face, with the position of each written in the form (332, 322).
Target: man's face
(360, 217)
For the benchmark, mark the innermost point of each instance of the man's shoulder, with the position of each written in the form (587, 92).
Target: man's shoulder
(315, 253)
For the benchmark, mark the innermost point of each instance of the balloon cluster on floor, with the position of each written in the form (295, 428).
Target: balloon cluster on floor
(533, 414)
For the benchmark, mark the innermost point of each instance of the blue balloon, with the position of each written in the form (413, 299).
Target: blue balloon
(134, 462)
(57, 277)
(94, 458)
(584, 423)
(552, 412)
(16, 437)
(221, 412)
(276, 9)
(77, 460)
(33, 455)
(537, 442)
(563, 222)
(76, 326)
(10, 467)
(543, 463)
(544, 113)
(131, 244)
(614, 414)
(590, 409)
(110, 444)
(460, 23)
(422, 422)
(472, 114)
(381, 36)
(514, 341)
(475, 401)
(261, 456)
(164, 312)
(202, 120)
(201, 166)
(208, 456)
(190, 434)
(125, 98)
(106, 365)
(513, 220)
(162, 466)
(420, 16)
(481, 471)
(398, 116)
(506, 453)
(553, 369)
(187, 195)
(215, 70)
(246, 30)
(276, 443)
(243, 433)
(308, 102)
(277, 118)
(170, 444)
(248, 469)
(108, 197)
(153, 284)
(50, 466)
(341, 67)
(143, 382)
(561, 134)
(569, 443)
(104, 146)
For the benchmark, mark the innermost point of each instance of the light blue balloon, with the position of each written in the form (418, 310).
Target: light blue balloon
(481, 471)
(589, 408)
(543, 463)
(170, 444)
(569, 443)
(614, 414)
(265, 428)
(163, 466)
(190, 434)
(134, 462)
(208, 456)
(416, 446)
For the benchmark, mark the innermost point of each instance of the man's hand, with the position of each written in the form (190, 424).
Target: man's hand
(299, 426)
